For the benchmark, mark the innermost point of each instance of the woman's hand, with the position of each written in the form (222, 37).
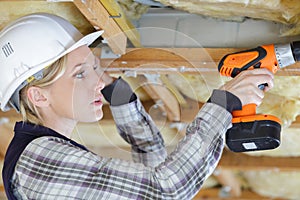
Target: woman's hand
(245, 85)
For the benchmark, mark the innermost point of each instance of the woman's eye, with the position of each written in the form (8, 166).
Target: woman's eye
(80, 75)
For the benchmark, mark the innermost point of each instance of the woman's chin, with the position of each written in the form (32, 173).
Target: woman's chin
(99, 115)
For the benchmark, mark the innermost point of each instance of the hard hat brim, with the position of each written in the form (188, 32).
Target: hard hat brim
(86, 40)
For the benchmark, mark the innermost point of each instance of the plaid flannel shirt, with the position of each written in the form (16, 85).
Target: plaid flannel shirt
(53, 168)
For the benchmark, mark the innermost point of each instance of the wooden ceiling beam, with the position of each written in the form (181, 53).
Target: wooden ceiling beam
(216, 194)
(176, 60)
(163, 97)
(244, 162)
(99, 17)
(119, 17)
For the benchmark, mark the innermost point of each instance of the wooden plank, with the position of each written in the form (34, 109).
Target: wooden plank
(214, 194)
(168, 101)
(126, 26)
(177, 60)
(181, 100)
(241, 161)
(98, 16)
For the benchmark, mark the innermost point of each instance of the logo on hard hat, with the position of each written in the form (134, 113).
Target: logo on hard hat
(7, 49)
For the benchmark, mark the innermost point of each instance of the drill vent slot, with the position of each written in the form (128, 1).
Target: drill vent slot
(226, 71)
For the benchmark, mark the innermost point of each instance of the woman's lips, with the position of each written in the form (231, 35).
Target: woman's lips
(98, 102)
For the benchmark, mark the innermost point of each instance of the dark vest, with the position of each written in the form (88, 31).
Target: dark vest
(24, 134)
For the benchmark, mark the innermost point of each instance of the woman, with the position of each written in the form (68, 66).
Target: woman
(56, 82)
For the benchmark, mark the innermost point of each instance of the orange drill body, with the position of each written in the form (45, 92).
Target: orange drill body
(233, 64)
(251, 131)
(260, 57)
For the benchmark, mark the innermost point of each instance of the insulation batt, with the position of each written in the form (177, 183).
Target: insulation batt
(275, 184)
(283, 11)
(132, 9)
(11, 11)
(285, 108)
(197, 87)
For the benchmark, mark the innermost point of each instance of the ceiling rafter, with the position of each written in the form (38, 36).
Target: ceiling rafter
(99, 17)
(217, 194)
(177, 60)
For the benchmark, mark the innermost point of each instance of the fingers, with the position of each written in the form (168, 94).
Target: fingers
(256, 97)
(245, 85)
(262, 77)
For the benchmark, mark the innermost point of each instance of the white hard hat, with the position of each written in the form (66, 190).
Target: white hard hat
(30, 44)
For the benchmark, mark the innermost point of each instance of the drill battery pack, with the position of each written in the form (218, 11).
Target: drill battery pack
(253, 136)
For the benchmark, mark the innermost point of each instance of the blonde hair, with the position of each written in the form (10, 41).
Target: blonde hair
(29, 111)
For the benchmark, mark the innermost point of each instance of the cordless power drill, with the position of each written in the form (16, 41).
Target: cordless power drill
(251, 131)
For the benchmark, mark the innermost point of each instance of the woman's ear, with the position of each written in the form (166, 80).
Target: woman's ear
(37, 96)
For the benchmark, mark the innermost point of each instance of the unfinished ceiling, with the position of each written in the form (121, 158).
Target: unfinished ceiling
(282, 11)
(169, 96)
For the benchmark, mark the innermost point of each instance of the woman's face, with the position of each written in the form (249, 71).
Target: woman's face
(77, 93)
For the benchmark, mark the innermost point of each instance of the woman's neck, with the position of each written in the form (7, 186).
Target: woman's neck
(63, 126)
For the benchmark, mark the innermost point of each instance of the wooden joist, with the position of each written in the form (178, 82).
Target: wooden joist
(241, 161)
(164, 99)
(177, 60)
(98, 16)
(119, 17)
(216, 194)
